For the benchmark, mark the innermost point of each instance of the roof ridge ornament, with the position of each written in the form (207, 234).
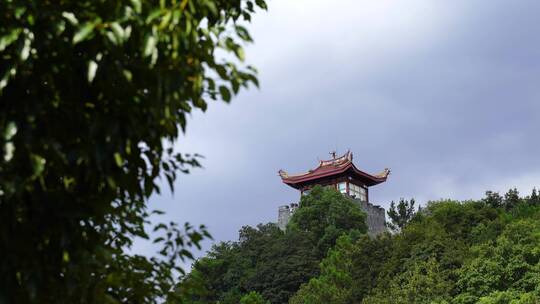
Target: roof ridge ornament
(333, 154)
(336, 161)
(384, 173)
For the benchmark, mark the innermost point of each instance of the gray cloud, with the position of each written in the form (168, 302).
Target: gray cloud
(444, 93)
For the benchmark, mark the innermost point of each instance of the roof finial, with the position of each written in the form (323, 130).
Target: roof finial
(333, 153)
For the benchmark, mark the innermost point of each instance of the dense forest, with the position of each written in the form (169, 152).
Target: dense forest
(484, 251)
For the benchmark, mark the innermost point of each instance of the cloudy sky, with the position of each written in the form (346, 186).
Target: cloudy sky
(445, 93)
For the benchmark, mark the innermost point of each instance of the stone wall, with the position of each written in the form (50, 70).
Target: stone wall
(376, 220)
(284, 215)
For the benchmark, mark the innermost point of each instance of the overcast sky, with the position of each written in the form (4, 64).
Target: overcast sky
(445, 93)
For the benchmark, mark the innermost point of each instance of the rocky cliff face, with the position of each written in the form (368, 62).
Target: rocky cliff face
(376, 220)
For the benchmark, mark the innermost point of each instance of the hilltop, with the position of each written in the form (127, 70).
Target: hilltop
(484, 251)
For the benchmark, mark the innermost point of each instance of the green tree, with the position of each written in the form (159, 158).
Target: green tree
(334, 285)
(349, 272)
(326, 215)
(252, 298)
(493, 199)
(509, 297)
(511, 199)
(458, 219)
(281, 265)
(264, 260)
(509, 263)
(401, 214)
(92, 96)
(534, 199)
(423, 283)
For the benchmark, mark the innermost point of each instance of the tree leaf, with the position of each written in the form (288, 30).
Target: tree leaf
(9, 149)
(8, 39)
(149, 45)
(84, 32)
(243, 33)
(137, 5)
(25, 52)
(225, 93)
(71, 18)
(261, 4)
(118, 159)
(118, 31)
(92, 69)
(239, 51)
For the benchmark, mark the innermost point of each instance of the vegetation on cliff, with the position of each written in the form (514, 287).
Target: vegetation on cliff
(271, 262)
(485, 251)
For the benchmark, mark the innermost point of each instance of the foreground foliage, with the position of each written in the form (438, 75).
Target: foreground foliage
(92, 96)
(485, 251)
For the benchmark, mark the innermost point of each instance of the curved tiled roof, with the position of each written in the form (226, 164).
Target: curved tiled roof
(332, 167)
